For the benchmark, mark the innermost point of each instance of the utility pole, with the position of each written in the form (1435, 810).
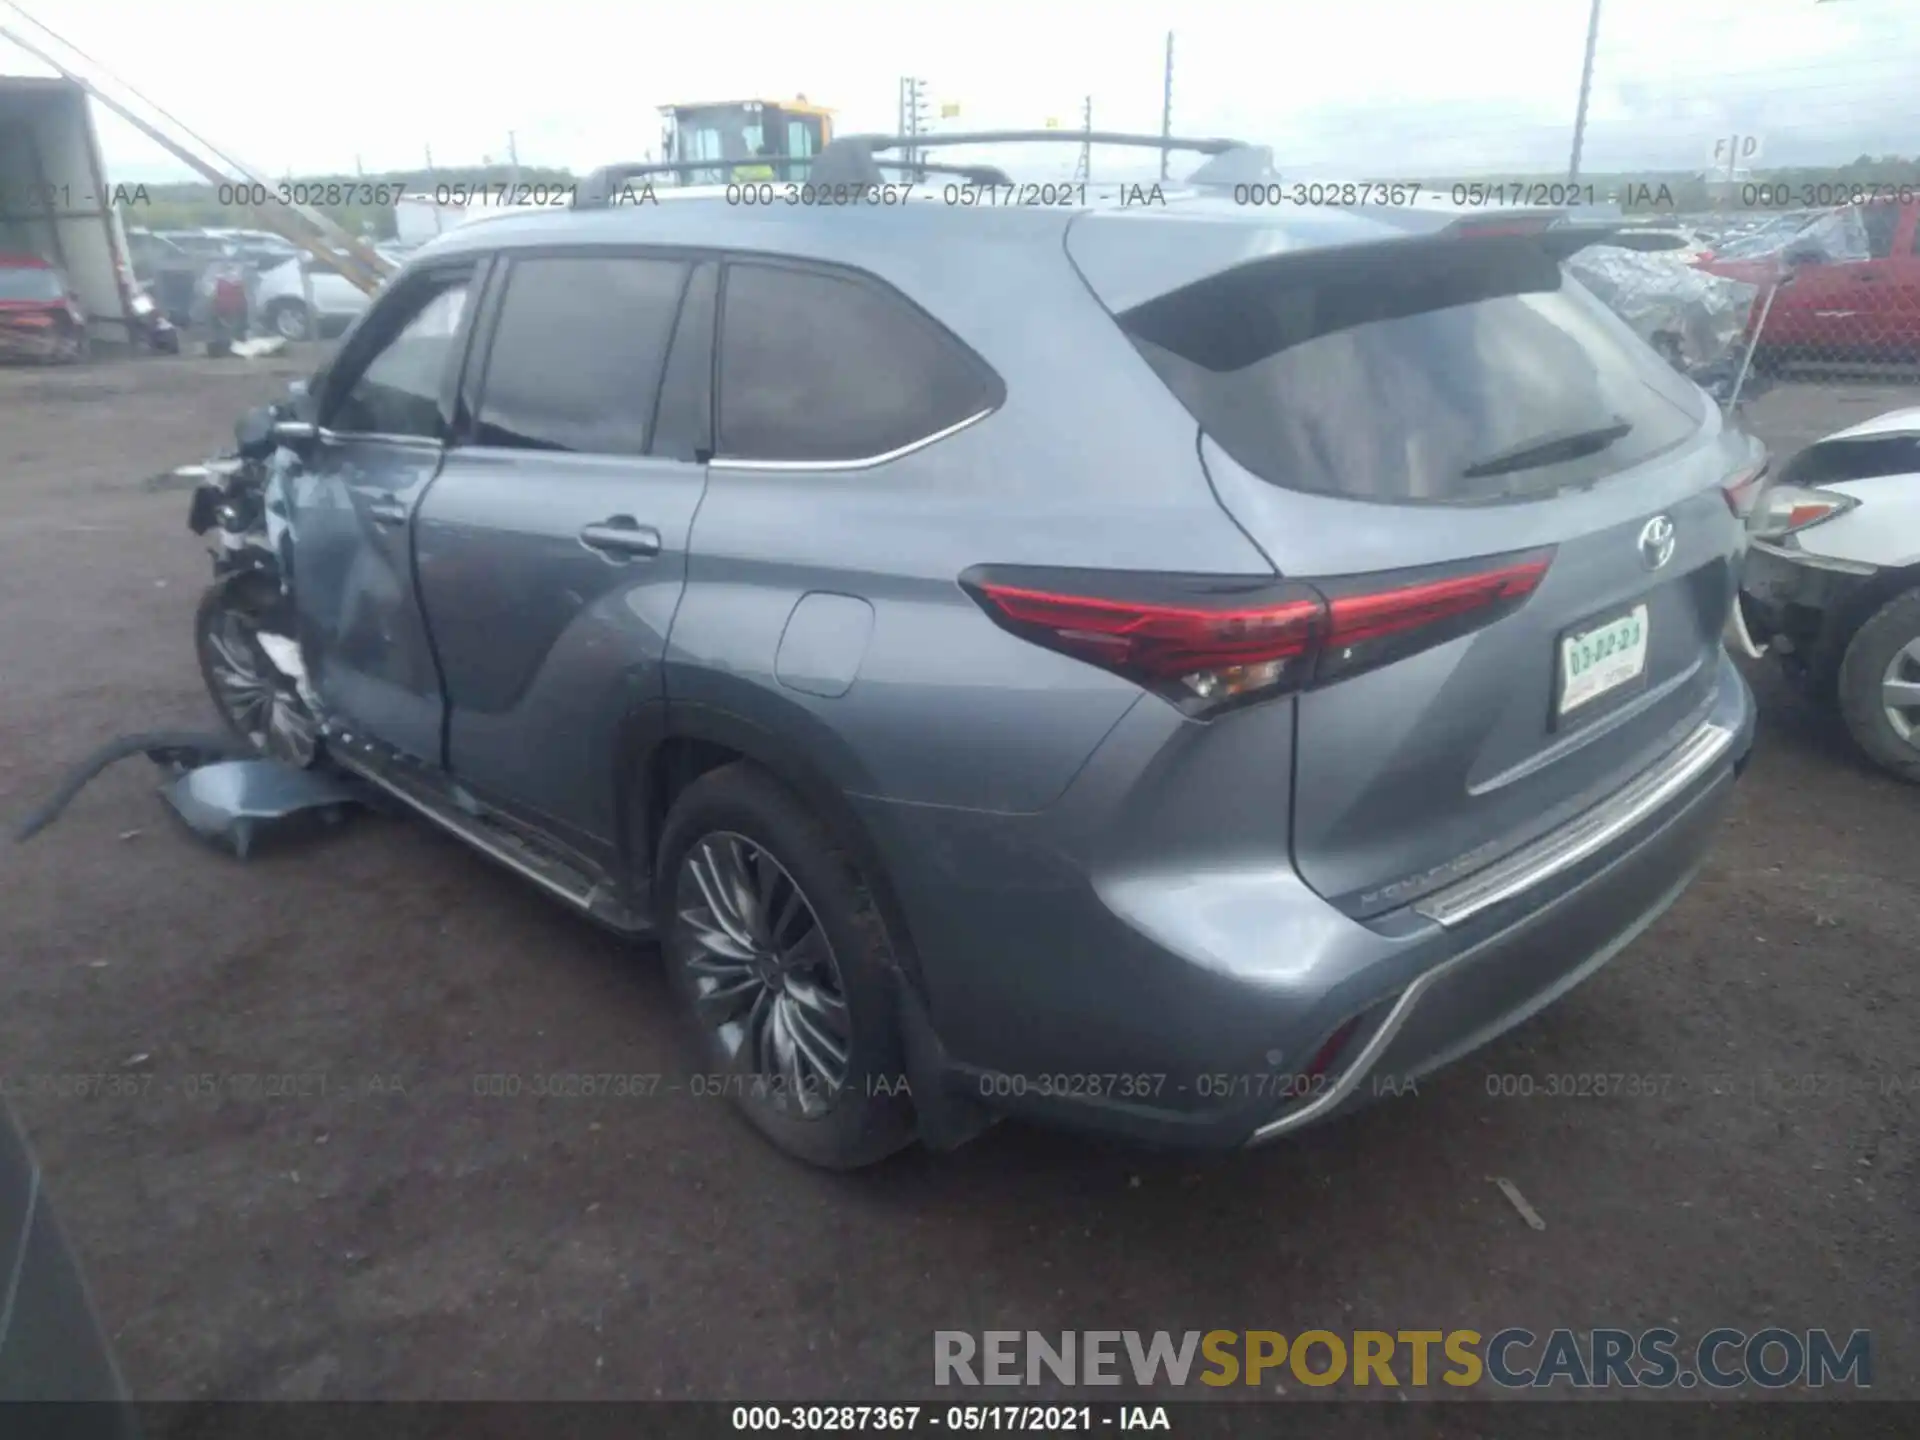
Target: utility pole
(1084, 170)
(433, 192)
(913, 113)
(1586, 87)
(513, 165)
(1166, 106)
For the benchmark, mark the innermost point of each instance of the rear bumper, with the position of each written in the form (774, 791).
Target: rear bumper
(1801, 606)
(1464, 1002)
(1181, 1008)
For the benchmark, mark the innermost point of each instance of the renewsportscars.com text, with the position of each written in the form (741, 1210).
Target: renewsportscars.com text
(1514, 1358)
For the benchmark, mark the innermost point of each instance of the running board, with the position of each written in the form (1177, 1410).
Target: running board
(593, 896)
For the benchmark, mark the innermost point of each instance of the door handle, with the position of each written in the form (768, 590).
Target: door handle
(387, 511)
(621, 535)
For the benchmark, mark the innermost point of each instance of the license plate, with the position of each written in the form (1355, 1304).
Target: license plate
(1603, 658)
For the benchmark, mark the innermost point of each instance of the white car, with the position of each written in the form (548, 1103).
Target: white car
(280, 300)
(1832, 581)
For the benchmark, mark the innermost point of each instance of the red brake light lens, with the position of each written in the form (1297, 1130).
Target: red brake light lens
(1742, 488)
(1208, 642)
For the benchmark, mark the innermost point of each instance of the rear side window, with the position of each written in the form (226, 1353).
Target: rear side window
(819, 367)
(1440, 372)
(577, 354)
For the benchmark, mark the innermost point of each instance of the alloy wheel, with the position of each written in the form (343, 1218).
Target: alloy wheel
(765, 978)
(273, 720)
(1900, 692)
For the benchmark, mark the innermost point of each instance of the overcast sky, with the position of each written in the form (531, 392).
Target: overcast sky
(1375, 87)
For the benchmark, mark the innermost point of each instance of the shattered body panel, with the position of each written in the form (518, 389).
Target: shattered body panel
(230, 802)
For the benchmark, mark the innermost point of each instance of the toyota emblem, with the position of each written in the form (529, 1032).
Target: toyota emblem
(1656, 542)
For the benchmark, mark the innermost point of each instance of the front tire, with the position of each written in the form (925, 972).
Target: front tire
(258, 704)
(1880, 687)
(782, 964)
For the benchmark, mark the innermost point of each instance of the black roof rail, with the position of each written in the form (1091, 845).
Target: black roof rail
(1022, 137)
(850, 159)
(598, 190)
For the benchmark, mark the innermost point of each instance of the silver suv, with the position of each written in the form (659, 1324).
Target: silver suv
(1180, 668)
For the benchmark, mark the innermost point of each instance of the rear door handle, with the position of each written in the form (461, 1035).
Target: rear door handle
(621, 535)
(387, 511)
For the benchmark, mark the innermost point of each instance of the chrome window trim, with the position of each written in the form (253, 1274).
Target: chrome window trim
(411, 442)
(724, 462)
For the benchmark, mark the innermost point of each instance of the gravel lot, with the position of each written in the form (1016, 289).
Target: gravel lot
(400, 1236)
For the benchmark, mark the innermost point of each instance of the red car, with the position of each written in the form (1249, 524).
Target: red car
(40, 317)
(1830, 308)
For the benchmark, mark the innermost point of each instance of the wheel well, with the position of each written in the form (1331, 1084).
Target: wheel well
(679, 760)
(1865, 602)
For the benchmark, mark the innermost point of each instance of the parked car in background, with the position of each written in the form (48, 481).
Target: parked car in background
(280, 299)
(258, 249)
(40, 316)
(1131, 714)
(1845, 286)
(1832, 581)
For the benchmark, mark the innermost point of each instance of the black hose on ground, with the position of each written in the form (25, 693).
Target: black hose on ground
(186, 748)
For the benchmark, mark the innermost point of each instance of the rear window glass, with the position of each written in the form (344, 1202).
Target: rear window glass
(30, 283)
(1430, 371)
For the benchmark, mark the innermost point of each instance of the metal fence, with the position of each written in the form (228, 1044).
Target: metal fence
(1772, 145)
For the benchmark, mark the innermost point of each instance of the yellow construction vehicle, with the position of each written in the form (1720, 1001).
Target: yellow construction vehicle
(746, 139)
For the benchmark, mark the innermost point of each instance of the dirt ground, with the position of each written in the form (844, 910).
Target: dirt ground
(385, 1231)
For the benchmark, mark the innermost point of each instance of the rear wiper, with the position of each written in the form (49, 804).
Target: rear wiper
(1550, 449)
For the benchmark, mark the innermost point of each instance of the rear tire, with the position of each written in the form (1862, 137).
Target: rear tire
(1885, 652)
(288, 319)
(783, 967)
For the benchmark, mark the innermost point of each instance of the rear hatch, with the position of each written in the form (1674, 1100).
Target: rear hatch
(1448, 428)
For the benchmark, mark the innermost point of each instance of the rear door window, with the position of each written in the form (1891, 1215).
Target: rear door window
(1439, 371)
(825, 367)
(578, 352)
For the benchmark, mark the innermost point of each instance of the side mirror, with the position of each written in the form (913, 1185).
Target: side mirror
(253, 433)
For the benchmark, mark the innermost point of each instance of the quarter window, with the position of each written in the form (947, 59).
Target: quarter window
(819, 367)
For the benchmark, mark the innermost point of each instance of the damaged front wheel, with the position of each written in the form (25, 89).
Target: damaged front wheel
(260, 703)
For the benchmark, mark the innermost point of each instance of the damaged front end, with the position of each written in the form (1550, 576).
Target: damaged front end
(264, 769)
(244, 629)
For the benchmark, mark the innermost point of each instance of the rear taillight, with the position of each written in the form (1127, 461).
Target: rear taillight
(1208, 642)
(1743, 487)
(1788, 509)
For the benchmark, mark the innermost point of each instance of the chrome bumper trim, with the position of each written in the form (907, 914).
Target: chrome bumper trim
(1639, 799)
(1585, 834)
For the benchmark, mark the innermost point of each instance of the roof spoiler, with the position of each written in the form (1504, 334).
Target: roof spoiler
(1555, 230)
(599, 191)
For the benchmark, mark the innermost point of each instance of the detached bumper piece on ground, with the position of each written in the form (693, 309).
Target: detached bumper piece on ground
(221, 791)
